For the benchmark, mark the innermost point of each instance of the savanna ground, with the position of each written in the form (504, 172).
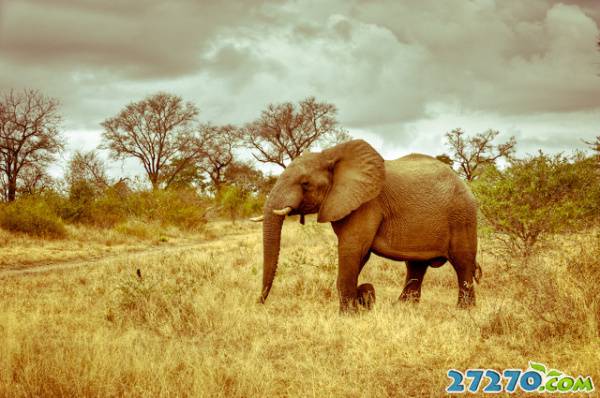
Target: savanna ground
(190, 326)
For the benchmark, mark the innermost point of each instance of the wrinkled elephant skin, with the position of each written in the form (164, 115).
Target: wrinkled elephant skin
(413, 209)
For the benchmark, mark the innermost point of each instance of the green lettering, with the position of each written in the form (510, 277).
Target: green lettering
(565, 384)
(582, 384)
(551, 384)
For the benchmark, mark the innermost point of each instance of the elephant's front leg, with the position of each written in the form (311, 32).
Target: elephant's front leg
(347, 279)
(352, 258)
(355, 237)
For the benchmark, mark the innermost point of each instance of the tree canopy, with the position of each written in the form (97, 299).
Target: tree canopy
(157, 132)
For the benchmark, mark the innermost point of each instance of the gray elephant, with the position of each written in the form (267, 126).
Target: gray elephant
(413, 209)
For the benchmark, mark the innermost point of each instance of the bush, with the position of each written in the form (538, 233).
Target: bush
(32, 216)
(236, 203)
(116, 205)
(110, 209)
(536, 197)
(179, 208)
(231, 199)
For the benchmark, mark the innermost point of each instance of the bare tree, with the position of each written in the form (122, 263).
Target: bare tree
(88, 167)
(156, 131)
(248, 178)
(29, 135)
(213, 148)
(473, 154)
(34, 179)
(283, 132)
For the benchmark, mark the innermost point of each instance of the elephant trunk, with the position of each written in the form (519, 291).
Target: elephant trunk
(271, 242)
(279, 198)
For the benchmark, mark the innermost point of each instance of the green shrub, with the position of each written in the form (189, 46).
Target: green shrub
(180, 208)
(116, 205)
(236, 203)
(33, 216)
(110, 209)
(253, 205)
(82, 195)
(536, 197)
(231, 199)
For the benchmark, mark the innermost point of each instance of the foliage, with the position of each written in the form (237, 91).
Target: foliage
(472, 155)
(32, 216)
(110, 208)
(236, 203)
(116, 207)
(180, 208)
(538, 196)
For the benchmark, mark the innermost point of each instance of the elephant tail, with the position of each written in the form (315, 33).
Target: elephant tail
(478, 273)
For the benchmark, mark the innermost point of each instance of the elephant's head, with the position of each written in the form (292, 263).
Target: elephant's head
(331, 183)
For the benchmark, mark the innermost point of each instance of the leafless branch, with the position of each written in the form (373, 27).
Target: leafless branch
(156, 131)
(473, 154)
(29, 135)
(283, 132)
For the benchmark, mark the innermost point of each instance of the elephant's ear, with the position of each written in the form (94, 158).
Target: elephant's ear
(358, 175)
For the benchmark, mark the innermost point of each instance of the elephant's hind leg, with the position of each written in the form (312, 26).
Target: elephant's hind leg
(462, 256)
(415, 272)
(465, 267)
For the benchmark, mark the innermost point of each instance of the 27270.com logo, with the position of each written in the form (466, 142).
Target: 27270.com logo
(536, 378)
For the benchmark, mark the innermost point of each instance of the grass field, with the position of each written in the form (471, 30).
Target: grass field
(190, 326)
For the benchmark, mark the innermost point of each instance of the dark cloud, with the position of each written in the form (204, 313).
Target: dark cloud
(135, 40)
(402, 73)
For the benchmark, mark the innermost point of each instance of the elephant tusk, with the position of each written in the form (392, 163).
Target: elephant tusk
(257, 219)
(282, 212)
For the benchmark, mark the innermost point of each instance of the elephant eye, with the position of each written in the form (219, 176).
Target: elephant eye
(305, 185)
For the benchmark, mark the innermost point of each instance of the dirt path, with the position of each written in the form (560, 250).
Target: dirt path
(70, 264)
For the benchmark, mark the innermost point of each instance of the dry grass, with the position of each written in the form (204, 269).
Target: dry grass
(85, 242)
(191, 326)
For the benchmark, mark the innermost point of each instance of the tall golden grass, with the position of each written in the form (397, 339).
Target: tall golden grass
(190, 325)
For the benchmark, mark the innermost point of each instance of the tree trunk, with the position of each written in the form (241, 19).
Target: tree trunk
(12, 189)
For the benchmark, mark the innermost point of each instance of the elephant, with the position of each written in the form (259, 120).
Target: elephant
(414, 209)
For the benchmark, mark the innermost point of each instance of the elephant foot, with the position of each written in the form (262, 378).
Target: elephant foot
(410, 296)
(366, 295)
(466, 299)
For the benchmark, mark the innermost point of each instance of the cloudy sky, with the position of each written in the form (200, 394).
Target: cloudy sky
(401, 73)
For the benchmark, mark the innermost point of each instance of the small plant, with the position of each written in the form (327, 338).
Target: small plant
(160, 304)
